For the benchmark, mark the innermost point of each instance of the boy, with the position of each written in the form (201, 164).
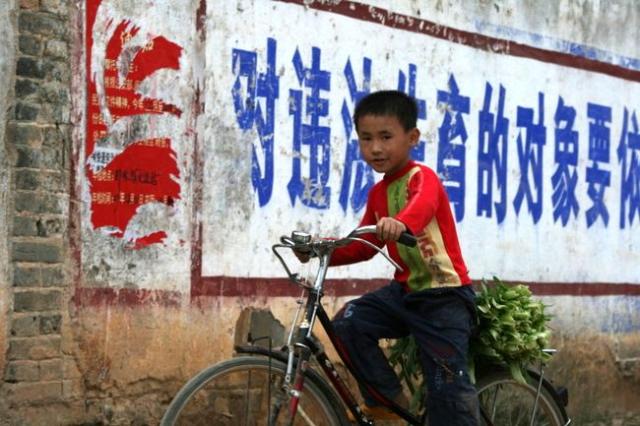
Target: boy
(431, 299)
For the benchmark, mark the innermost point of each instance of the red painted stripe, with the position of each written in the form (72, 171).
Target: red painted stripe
(398, 21)
(277, 287)
(584, 289)
(273, 287)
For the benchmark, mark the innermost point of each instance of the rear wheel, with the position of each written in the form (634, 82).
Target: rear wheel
(248, 391)
(506, 402)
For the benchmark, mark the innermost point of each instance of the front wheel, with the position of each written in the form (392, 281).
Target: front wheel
(248, 391)
(506, 402)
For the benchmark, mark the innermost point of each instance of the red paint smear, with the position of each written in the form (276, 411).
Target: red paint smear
(145, 171)
(139, 175)
(156, 237)
(160, 53)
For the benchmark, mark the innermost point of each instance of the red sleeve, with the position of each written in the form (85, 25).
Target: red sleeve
(357, 251)
(422, 202)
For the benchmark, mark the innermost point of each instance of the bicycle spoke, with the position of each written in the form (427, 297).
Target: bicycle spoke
(304, 415)
(493, 404)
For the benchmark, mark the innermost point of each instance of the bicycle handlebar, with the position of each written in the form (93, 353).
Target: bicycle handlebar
(406, 238)
(304, 243)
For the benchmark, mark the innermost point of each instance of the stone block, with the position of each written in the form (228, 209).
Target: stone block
(29, 45)
(53, 276)
(56, 136)
(36, 252)
(36, 276)
(26, 112)
(55, 6)
(35, 301)
(49, 227)
(24, 134)
(27, 179)
(27, 276)
(50, 324)
(39, 392)
(51, 369)
(22, 371)
(260, 324)
(25, 88)
(56, 49)
(35, 202)
(34, 348)
(30, 4)
(33, 180)
(43, 158)
(30, 67)
(42, 24)
(24, 226)
(25, 326)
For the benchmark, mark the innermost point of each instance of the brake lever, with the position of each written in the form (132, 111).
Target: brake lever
(378, 249)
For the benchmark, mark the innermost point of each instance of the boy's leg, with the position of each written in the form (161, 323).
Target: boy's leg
(442, 325)
(359, 325)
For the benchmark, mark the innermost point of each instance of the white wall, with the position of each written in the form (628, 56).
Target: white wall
(521, 246)
(243, 209)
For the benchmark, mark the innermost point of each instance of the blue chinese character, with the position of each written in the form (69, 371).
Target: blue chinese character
(597, 178)
(249, 112)
(313, 190)
(629, 158)
(530, 159)
(492, 156)
(452, 136)
(565, 177)
(353, 162)
(417, 153)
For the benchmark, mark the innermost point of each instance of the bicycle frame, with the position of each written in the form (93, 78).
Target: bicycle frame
(309, 346)
(304, 345)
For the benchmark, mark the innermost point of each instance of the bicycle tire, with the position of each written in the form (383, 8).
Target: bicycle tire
(510, 403)
(234, 392)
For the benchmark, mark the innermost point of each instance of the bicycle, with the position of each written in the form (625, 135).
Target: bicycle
(282, 387)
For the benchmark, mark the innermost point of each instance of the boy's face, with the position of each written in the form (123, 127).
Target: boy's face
(385, 145)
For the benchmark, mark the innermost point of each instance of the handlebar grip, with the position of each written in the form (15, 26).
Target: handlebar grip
(408, 239)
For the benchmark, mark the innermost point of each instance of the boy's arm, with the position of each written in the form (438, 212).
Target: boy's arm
(423, 200)
(357, 251)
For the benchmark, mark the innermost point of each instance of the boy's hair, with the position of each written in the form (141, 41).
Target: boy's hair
(390, 103)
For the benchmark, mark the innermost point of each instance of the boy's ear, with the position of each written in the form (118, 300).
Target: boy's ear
(414, 136)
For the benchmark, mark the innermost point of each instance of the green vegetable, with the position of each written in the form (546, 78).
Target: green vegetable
(512, 331)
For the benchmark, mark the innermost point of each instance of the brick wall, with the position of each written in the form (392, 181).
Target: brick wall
(37, 142)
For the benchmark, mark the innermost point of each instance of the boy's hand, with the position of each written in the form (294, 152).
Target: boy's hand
(389, 229)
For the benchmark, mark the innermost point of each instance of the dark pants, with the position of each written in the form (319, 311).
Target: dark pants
(441, 321)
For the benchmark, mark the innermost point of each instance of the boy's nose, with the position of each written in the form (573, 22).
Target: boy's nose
(376, 146)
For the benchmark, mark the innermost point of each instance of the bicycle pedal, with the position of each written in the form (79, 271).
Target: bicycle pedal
(375, 413)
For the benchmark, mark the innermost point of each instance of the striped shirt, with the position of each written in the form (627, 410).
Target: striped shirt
(415, 196)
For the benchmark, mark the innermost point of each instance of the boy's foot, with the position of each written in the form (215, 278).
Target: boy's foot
(380, 412)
